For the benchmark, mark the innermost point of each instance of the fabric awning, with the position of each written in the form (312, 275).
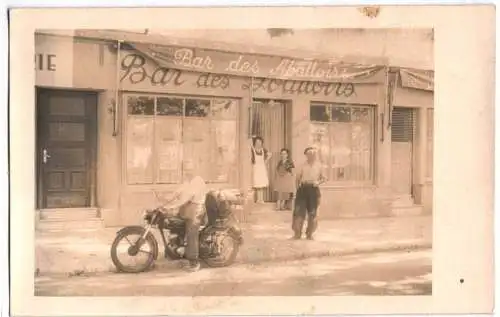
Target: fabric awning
(417, 79)
(257, 65)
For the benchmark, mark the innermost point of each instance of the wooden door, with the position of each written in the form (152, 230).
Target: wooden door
(66, 148)
(269, 122)
(403, 135)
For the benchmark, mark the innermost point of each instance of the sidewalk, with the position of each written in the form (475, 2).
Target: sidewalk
(266, 239)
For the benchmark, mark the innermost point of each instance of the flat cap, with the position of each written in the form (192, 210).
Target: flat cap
(310, 148)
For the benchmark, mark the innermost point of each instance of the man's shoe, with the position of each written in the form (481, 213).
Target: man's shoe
(309, 237)
(193, 266)
(295, 237)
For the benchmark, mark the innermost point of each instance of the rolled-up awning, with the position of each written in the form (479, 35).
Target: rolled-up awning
(256, 65)
(417, 79)
(250, 64)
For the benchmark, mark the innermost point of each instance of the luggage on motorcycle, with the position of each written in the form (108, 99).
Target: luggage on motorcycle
(219, 204)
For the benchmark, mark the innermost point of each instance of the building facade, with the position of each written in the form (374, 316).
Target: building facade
(117, 114)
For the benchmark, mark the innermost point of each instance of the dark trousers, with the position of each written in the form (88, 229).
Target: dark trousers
(307, 201)
(193, 222)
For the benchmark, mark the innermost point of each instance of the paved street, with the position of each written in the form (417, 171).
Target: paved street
(266, 240)
(390, 273)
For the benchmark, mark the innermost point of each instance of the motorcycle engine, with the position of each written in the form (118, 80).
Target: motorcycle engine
(209, 246)
(181, 251)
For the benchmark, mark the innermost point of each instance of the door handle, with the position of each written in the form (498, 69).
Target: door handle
(45, 156)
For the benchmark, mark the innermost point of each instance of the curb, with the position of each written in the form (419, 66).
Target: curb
(339, 253)
(259, 261)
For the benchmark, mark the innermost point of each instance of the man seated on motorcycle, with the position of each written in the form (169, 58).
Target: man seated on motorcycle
(189, 201)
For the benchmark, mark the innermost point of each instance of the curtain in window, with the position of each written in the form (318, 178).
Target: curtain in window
(343, 135)
(163, 131)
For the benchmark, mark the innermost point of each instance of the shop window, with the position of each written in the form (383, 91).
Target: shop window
(163, 130)
(343, 135)
(430, 142)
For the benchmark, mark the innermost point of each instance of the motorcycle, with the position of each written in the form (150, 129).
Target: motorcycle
(218, 228)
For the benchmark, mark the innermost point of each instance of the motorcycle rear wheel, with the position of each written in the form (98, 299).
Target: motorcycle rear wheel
(218, 262)
(149, 240)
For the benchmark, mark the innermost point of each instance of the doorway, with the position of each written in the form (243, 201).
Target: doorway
(270, 121)
(66, 148)
(402, 147)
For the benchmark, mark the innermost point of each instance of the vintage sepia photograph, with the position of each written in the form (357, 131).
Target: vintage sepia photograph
(251, 161)
(234, 162)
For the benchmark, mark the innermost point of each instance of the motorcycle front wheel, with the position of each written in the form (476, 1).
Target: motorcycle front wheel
(143, 252)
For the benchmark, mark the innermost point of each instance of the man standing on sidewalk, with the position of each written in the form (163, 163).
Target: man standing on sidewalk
(308, 196)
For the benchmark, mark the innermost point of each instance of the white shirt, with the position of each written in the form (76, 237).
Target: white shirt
(193, 191)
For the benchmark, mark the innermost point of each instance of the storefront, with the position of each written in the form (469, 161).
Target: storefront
(167, 104)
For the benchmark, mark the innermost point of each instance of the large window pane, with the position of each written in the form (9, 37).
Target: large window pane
(223, 150)
(139, 150)
(361, 114)
(224, 109)
(140, 105)
(196, 144)
(169, 149)
(320, 140)
(340, 138)
(169, 106)
(340, 114)
(320, 113)
(197, 107)
(360, 169)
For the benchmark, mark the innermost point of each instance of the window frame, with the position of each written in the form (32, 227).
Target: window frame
(372, 110)
(233, 175)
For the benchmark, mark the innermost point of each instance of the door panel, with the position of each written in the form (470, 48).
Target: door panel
(401, 168)
(66, 148)
(67, 131)
(403, 134)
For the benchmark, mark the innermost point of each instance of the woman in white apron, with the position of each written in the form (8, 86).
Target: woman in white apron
(260, 157)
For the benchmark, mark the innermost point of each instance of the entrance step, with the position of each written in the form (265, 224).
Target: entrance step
(68, 214)
(72, 225)
(69, 219)
(402, 201)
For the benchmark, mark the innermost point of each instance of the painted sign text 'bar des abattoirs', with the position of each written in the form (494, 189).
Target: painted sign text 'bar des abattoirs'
(260, 66)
